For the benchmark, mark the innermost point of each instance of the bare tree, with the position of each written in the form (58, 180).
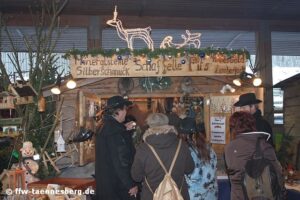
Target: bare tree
(42, 69)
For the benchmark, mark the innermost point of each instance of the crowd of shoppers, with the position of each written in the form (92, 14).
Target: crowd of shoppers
(125, 172)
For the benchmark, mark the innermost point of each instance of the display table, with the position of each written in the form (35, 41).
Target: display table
(224, 191)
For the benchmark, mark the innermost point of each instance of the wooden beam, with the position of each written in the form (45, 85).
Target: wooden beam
(264, 63)
(164, 22)
(94, 32)
(64, 89)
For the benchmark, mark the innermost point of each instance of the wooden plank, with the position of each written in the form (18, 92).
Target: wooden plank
(10, 121)
(292, 101)
(80, 83)
(291, 92)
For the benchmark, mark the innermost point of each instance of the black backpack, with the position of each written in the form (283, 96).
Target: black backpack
(260, 180)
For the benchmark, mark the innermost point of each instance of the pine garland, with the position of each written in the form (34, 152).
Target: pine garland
(157, 52)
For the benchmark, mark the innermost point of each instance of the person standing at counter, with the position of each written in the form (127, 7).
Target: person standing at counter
(249, 103)
(114, 154)
(202, 182)
(161, 138)
(241, 149)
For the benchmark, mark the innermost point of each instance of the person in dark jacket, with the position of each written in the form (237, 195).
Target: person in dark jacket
(163, 138)
(241, 149)
(114, 154)
(249, 103)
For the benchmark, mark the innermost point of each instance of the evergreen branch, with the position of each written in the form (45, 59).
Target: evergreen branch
(58, 113)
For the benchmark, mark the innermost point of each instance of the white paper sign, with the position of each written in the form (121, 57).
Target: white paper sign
(218, 130)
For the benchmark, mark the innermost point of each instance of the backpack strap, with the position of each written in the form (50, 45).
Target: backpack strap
(161, 163)
(148, 185)
(175, 157)
(258, 151)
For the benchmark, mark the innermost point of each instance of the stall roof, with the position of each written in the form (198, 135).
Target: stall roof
(288, 82)
(236, 9)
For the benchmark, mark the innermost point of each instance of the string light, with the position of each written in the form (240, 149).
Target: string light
(245, 77)
(257, 81)
(130, 34)
(71, 84)
(56, 89)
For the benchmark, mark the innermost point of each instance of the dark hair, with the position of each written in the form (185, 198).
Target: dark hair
(242, 122)
(200, 143)
(195, 135)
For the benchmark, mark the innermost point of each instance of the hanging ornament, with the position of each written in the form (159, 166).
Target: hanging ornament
(149, 61)
(202, 54)
(119, 57)
(41, 104)
(155, 83)
(60, 144)
(15, 154)
(92, 109)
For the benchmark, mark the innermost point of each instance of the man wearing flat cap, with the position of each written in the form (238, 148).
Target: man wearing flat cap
(249, 103)
(114, 154)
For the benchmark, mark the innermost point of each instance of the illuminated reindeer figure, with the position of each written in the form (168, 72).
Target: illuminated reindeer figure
(188, 39)
(129, 34)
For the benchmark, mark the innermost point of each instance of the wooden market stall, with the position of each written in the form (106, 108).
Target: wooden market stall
(291, 113)
(204, 90)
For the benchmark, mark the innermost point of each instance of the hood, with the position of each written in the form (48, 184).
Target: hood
(161, 136)
(255, 134)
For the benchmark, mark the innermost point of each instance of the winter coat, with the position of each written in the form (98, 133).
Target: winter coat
(114, 157)
(165, 142)
(238, 152)
(202, 183)
(263, 125)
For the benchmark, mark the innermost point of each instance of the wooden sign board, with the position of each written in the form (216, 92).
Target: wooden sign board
(139, 66)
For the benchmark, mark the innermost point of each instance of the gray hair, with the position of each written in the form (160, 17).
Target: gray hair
(157, 119)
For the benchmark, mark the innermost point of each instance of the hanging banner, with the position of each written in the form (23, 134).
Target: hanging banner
(140, 66)
(218, 130)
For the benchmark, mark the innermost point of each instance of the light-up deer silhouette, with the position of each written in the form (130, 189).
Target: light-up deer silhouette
(190, 39)
(130, 34)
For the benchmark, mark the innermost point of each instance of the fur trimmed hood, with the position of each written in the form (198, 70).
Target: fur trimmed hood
(159, 130)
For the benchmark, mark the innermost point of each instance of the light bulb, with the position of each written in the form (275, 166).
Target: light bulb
(55, 90)
(207, 101)
(257, 81)
(71, 84)
(237, 82)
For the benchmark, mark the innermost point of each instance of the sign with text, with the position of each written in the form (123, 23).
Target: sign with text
(218, 130)
(139, 66)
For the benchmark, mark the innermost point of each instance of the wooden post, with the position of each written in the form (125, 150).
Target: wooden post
(94, 32)
(264, 64)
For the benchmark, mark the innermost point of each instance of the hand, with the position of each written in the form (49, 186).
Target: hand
(130, 125)
(133, 191)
